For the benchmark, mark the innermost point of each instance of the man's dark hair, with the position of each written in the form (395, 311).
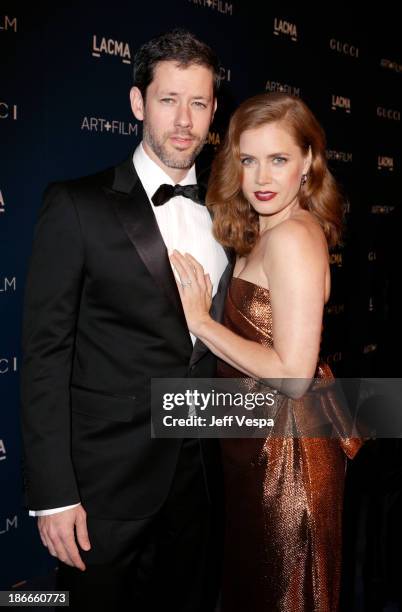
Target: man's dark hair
(179, 46)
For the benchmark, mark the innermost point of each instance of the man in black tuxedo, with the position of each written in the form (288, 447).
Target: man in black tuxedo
(130, 518)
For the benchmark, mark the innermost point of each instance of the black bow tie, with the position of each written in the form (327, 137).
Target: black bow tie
(167, 192)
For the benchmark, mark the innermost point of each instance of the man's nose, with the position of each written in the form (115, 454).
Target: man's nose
(183, 116)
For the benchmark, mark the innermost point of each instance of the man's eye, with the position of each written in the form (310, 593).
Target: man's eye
(200, 104)
(167, 100)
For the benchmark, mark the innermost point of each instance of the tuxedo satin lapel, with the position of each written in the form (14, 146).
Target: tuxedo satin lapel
(125, 177)
(217, 308)
(138, 220)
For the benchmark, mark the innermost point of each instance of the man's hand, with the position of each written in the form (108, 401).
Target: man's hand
(57, 534)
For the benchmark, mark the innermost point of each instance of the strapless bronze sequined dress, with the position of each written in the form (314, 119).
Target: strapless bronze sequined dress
(283, 498)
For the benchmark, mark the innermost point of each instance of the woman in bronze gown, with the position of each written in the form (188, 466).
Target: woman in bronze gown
(276, 205)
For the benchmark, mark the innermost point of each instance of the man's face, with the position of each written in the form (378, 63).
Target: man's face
(177, 113)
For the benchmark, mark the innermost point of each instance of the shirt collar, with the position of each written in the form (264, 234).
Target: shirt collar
(152, 176)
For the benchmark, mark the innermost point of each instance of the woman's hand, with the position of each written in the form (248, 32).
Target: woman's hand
(195, 289)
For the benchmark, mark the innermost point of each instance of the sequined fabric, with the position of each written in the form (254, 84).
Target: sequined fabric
(283, 497)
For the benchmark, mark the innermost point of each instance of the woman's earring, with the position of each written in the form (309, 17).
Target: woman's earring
(303, 179)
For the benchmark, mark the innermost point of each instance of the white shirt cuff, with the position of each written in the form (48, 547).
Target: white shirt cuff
(51, 510)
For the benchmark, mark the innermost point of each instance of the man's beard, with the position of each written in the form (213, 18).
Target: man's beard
(169, 158)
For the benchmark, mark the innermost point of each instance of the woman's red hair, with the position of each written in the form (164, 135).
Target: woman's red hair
(235, 221)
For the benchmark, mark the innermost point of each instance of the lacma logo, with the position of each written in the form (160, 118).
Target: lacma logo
(283, 87)
(385, 163)
(99, 124)
(108, 46)
(341, 103)
(286, 28)
(8, 23)
(3, 454)
(2, 203)
(213, 139)
(344, 48)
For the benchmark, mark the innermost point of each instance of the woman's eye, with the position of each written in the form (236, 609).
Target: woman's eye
(246, 161)
(279, 160)
(200, 104)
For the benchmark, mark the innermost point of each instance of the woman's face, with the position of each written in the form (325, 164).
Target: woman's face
(273, 165)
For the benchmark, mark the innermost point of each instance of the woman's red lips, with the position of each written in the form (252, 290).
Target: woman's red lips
(264, 196)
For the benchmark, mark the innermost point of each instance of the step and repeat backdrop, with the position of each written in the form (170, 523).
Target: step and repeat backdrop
(64, 112)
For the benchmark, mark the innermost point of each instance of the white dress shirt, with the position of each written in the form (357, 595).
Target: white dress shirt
(185, 226)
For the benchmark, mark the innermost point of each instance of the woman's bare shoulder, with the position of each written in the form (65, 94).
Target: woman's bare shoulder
(299, 233)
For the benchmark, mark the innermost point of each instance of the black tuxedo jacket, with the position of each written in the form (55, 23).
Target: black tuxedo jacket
(102, 316)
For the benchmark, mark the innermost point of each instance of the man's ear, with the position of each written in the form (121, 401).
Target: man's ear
(137, 103)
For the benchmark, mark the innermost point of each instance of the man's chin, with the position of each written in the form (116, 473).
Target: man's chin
(179, 161)
(183, 164)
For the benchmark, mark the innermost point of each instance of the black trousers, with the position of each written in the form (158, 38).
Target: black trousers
(168, 561)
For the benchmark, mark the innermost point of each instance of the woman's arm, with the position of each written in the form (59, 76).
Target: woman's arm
(295, 263)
